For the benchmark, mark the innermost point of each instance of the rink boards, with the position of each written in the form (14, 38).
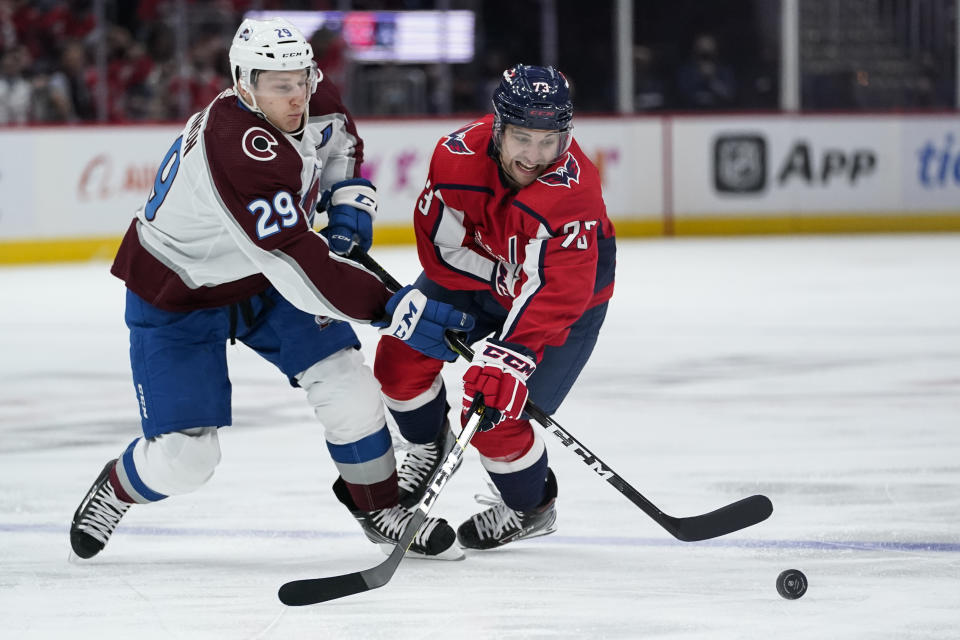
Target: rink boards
(68, 193)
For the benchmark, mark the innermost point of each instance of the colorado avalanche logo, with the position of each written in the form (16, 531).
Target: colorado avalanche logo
(454, 142)
(563, 176)
(258, 144)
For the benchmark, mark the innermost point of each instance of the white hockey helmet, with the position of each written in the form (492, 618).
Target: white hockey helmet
(270, 45)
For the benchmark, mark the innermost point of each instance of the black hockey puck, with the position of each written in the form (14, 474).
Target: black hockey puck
(792, 584)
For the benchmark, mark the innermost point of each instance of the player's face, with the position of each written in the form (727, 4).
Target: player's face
(525, 153)
(282, 97)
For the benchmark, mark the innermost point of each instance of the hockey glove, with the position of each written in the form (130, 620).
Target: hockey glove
(506, 278)
(351, 206)
(499, 371)
(422, 322)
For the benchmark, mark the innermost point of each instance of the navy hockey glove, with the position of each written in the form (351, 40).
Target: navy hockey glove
(421, 322)
(499, 371)
(351, 206)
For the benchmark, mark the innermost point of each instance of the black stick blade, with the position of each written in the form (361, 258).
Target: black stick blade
(313, 590)
(733, 517)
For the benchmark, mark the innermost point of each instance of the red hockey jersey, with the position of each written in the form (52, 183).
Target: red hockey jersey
(554, 234)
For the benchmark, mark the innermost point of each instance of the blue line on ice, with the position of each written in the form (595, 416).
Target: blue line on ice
(599, 541)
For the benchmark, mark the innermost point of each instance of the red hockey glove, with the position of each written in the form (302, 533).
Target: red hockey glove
(499, 371)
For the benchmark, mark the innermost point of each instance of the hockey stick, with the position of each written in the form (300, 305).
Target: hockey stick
(727, 519)
(313, 590)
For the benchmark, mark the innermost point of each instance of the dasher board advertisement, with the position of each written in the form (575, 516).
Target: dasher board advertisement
(774, 165)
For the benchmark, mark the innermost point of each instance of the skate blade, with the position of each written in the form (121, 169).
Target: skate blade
(73, 558)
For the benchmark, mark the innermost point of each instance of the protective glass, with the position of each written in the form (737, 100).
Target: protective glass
(285, 84)
(532, 146)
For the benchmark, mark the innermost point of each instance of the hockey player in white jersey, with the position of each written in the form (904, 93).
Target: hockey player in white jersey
(224, 250)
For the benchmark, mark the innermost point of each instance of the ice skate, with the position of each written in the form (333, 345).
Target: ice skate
(97, 516)
(420, 463)
(499, 524)
(436, 539)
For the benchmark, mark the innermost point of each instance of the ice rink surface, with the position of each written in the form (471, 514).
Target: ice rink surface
(823, 372)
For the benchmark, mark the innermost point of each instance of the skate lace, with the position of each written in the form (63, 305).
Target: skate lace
(498, 518)
(416, 465)
(104, 513)
(391, 523)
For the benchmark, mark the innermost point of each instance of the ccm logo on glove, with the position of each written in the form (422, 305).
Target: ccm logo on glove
(422, 322)
(499, 373)
(522, 365)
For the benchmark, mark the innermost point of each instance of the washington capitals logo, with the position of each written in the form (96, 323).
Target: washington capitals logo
(454, 142)
(563, 176)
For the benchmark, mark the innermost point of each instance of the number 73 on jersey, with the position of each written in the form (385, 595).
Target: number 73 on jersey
(572, 229)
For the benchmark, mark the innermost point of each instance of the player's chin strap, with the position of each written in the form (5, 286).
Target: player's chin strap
(252, 104)
(727, 519)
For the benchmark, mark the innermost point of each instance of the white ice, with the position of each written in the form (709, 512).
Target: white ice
(823, 372)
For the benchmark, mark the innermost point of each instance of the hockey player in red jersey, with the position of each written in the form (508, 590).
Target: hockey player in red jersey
(224, 250)
(511, 227)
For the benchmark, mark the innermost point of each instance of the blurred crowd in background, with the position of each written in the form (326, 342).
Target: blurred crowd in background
(65, 61)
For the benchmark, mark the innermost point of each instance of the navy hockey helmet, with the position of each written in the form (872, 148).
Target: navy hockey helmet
(534, 98)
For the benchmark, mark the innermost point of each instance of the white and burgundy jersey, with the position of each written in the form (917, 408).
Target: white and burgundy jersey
(554, 234)
(231, 209)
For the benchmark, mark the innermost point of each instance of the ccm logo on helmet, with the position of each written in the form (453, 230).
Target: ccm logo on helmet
(258, 144)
